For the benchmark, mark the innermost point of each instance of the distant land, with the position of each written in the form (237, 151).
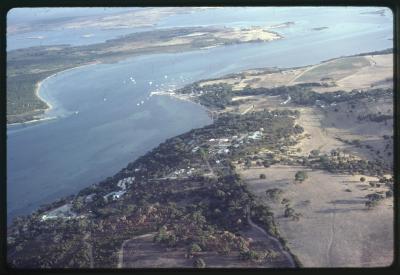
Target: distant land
(118, 19)
(26, 68)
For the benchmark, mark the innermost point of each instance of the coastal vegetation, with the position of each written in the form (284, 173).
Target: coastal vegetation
(184, 190)
(220, 95)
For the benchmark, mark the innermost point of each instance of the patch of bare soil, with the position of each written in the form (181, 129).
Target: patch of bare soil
(348, 73)
(248, 34)
(318, 136)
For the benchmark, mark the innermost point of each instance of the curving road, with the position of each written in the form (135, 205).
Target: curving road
(121, 251)
(271, 238)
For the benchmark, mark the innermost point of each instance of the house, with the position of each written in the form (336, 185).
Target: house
(63, 211)
(118, 194)
(123, 183)
(286, 101)
(89, 198)
(180, 171)
(255, 135)
(114, 195)
(48, 217)
(320, 103)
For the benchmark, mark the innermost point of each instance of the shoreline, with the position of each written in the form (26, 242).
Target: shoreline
(49, 105)
(234, 36)
(31, 121)
(172, 94)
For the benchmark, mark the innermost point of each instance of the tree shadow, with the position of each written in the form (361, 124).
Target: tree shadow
(353, 201)
(336, 210)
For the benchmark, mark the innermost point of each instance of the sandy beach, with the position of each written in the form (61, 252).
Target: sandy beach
(49, 105)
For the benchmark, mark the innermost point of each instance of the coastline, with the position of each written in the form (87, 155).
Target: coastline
(48, 104)
(37, 94)
(31, 121)
(123, 51)
(172, 94)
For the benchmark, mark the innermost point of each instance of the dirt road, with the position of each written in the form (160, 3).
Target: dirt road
(278, 247)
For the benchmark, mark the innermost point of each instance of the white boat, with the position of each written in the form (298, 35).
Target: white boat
(76, 112)
(150, 83)
(104, 99)
(165, 76)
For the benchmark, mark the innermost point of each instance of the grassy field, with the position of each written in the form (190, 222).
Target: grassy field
(334, 69)
(335, 228)
(346, 73)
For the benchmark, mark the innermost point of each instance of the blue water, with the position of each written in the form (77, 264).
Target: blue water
(56, 35)
(305, 18)
(100, 128)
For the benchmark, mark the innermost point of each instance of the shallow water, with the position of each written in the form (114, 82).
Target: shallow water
(100, 127)
(305, 18)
